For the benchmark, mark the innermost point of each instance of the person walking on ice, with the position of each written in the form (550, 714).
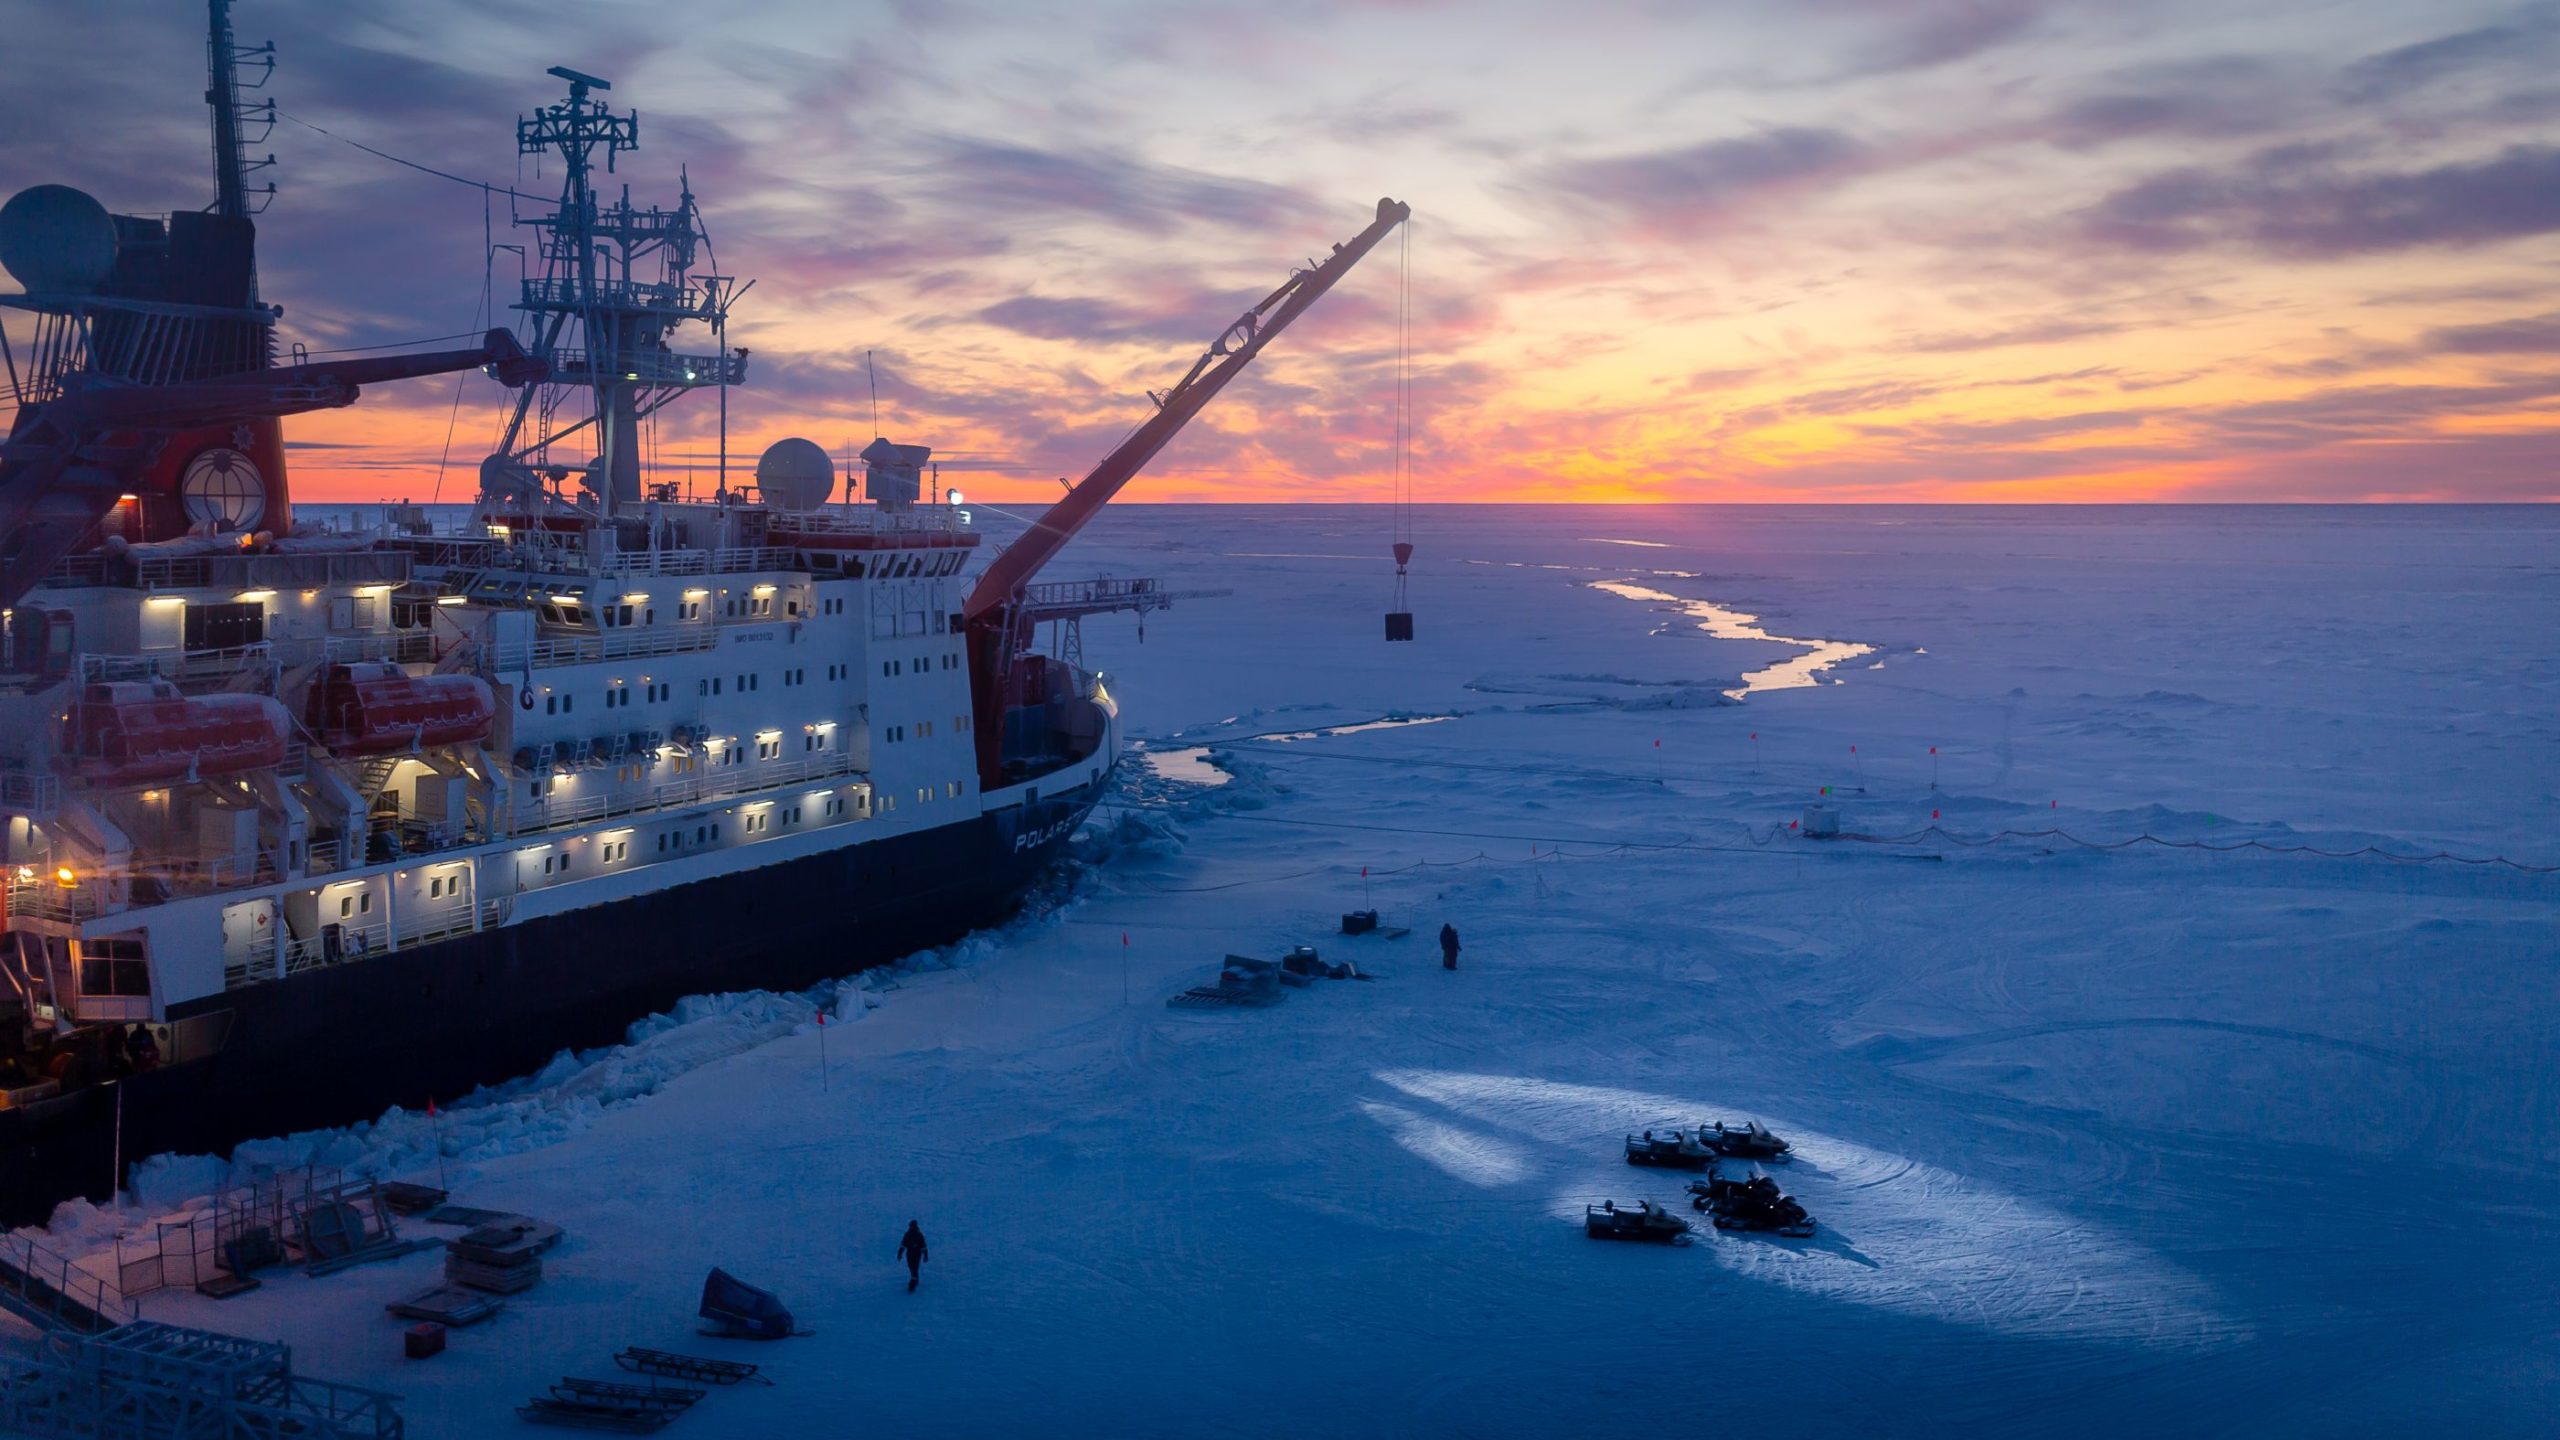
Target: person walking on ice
(1448, 947)
(911, 1250)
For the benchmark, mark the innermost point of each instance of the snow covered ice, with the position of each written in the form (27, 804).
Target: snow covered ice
(2148, 1139)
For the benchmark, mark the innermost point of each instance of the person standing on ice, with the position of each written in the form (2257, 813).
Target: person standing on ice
(1448, 947)
(911, 1250)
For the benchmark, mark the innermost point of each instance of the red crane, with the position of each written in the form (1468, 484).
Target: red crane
(1004, 676)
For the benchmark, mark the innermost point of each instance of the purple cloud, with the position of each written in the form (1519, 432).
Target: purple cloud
(2533, 335)
(2285, 203)
(1928, 33)
(2523, 41)
(1706, 187)
(986, 177)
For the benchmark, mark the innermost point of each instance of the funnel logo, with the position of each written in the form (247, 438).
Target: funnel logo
(223, 487)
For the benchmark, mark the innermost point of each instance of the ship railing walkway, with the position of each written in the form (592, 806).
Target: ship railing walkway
(43, 1288)
(535, 818)
(611, 645)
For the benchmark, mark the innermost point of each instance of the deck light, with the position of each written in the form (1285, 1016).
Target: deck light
(66, 877)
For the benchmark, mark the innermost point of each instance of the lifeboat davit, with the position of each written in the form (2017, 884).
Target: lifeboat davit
(132, 732)
(373, 706)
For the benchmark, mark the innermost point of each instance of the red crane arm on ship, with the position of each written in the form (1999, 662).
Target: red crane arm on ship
(1230, 353)
(991, 612)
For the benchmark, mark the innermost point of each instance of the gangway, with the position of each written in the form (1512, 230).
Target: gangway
(47, 1291)
(1065, 603)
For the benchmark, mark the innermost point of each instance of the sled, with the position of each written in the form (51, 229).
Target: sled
(684, 1367)
(1243, 980)
(1647, 1221)
(579, 1415)
(617, 1392)
(1667, 1150)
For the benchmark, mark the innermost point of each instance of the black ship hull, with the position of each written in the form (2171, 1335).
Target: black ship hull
(343, 1044)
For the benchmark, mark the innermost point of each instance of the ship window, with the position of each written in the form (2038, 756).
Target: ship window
(550, 704)
(113, 967)
(954, 789)
(225, 626)
(567, 703)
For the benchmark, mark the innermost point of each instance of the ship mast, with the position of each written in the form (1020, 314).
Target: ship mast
(226, 68)
(600, 325)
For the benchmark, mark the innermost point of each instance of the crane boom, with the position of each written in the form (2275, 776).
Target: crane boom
(1228, 354)
(1007, 685)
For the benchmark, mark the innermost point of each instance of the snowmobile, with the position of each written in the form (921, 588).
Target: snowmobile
(1608, 1220)
(1668, 1150)
(1753, 1204)
(1713, 1191)
(1748, 1141)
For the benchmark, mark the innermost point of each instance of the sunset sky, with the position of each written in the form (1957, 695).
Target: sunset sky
(1828, 250)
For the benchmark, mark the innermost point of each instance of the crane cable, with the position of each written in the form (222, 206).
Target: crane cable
(1403, 515)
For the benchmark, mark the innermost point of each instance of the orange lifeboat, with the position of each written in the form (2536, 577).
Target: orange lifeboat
(373, 706)
(131, 732)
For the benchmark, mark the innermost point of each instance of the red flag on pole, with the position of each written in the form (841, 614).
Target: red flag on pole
(431, 1107)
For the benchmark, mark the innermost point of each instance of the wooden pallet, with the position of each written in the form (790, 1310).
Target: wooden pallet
(445, 1305)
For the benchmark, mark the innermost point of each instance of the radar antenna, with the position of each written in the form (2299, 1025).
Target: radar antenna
(617, 278)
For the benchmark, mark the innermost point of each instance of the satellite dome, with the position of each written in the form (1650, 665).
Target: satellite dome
(56, 240)
(795, 474)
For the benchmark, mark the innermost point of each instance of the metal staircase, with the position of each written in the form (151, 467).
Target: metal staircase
(376, 774)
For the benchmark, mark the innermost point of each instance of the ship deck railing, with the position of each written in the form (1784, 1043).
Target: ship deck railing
(408, 647)
(33, 892)
(269, 571)
(177, 665)
(726, 560)
(609, 645)
(27, 791)
(539, 817)
(353, 942)
(921, 519)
